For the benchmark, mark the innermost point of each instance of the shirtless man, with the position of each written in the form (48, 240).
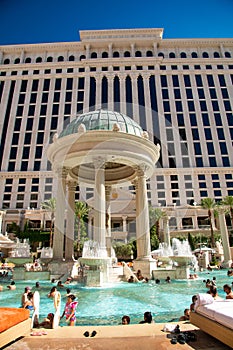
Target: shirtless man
(228, 291)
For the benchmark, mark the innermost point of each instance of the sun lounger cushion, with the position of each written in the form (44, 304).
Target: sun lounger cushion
(11, 316)
(220, 311)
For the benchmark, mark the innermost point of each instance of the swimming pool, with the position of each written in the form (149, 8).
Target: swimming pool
(106, 305)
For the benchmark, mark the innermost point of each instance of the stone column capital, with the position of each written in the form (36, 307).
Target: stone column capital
(62, 172)
(221, 210)
(99, 162)
(72, 185)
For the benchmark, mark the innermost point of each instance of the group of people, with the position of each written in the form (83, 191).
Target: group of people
(147, 319)
(27, 302)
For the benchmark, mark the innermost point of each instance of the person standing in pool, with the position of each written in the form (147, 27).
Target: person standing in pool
(69, 311)
(29, 303)
(56, 295)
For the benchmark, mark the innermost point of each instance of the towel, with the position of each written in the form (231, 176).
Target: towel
(203, 299)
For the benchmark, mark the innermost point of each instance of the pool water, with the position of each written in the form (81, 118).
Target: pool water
(107, 305)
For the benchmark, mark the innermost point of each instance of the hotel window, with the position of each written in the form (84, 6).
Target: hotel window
(199, 162)
(203, 194)
(205, 119)
(195, 134)
(221, 79)
(208, 134)
(220, 134)
(163, 79)
(210, 80)
(213, 94)
(149, 53)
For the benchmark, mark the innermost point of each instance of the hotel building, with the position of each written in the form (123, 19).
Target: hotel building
(179, 90)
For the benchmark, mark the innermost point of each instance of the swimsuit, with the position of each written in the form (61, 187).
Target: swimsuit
(69, 308)
(29, 307)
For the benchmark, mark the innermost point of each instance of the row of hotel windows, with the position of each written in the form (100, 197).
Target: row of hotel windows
(116, 68)
(117, 54)
(35, 198)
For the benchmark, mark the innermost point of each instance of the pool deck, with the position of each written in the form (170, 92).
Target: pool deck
(128, 337)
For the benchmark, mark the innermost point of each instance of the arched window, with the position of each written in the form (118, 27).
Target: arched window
(49, 59)
(194, 55)
(6, 61)
(38, 59)
(126, 54)
(116, 54)
(28, 60)
(93, 55)
(71, 58)
(82, 57)
(227, 54)
(138, 54)
(60, 59)
(149, 53)
(104, 54)
(216, 55)
(161, 54)
(17, 60)
(172, 55)
(205, 55)
(183, 55)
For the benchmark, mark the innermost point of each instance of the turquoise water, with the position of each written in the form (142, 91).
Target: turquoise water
(106, 306)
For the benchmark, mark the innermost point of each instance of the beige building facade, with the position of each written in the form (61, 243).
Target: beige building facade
(179, 90)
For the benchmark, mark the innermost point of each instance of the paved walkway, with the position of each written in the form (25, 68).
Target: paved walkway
(129, 337)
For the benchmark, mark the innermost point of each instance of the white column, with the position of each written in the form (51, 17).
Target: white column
(166, 231)
(69, 248)
(225, 238)
(60, 215)
(110, 50)
(124, 225)
(110, 78)
(98, 92)
(108, 220)
(90, 233)
(122, 93)
(99, 205)
(134, 79)
(87, 51)
(142, 217)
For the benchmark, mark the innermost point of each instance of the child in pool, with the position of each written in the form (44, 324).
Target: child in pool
(69, 310)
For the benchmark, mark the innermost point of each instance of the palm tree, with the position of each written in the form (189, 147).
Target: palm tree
(209, 204)
(50, 206)
(81, 213)
(155, 215)
(228, 201)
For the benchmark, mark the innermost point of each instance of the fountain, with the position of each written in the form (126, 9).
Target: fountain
(175, 260)
(20, 253)
(95, 265)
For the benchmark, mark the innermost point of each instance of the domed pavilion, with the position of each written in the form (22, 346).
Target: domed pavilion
(102, 150)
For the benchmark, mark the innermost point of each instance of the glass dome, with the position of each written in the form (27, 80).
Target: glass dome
(103, 120)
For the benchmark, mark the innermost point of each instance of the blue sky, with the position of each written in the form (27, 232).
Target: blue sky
(31, 21)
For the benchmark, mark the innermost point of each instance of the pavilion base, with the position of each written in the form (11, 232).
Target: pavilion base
(146, 266)
(227, 264)
(178, 273)
(97, 270)
(60, 269)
